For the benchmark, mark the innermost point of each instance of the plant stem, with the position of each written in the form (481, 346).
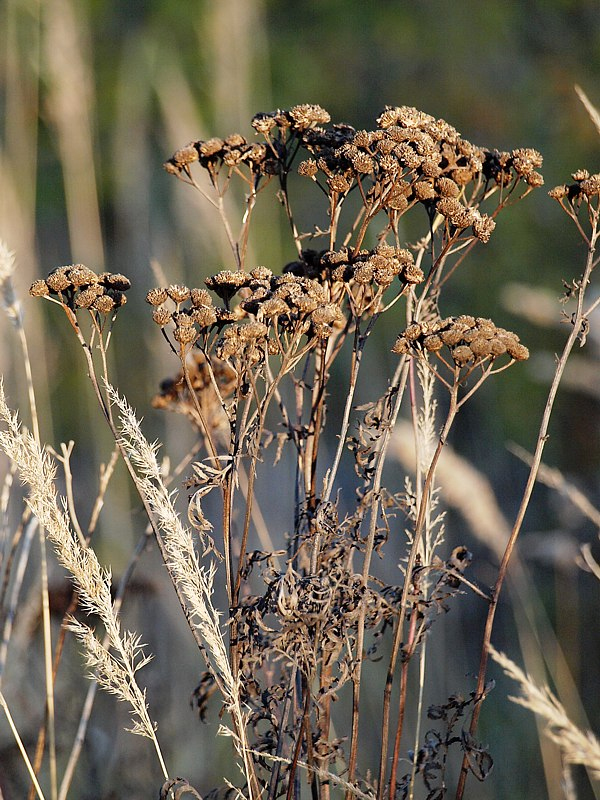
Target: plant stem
(579, 323)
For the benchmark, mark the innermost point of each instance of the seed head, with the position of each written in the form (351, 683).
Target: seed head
(156, 297)
(58, 280)
(79, 275)
(178, 293)
(39, 288)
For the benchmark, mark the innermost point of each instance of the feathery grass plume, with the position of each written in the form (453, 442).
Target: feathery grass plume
(577, 746)
(185, 569)
(115, 672)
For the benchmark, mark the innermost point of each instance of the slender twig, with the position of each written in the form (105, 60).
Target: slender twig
(579, 322)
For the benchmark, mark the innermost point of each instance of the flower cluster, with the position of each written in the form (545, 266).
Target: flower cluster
(174, 394)
(585, 186)
(412, 157)
(376, 267)
(77, 286)
(470, 340)
(288, 302)
(235, 151)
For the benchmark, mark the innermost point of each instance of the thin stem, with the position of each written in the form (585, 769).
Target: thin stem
(579, 323)
(397, 386)
(419, 524)
(21, 746)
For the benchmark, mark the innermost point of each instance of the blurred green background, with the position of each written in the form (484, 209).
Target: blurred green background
(95, 95)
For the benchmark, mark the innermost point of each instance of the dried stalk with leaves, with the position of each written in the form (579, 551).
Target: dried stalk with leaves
(254, 351)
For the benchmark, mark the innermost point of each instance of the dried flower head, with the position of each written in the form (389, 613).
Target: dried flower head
(470, 340)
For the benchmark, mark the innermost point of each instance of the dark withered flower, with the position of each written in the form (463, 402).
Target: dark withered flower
(408, 156)
(80, 275)
(580, 175)
(178, 293)
(591, 186)
(104, 304)
(307, 115)
(480, 347)
(424, 190)
(396, 199)
(526, 160)
(227, 282)
(462, 175)
(324, 318)
(86, 298)
(261, 274)
(162, 316)
(39, 288)
(389, 165)
(58, 280)
(558, 192)
(233, 156)
(412, 274)
(363, 273)
(210, 147)
(235, 140)
(446, 187)
(274, 307)
(200, 298)
(184, 156)
(461, 355)
(308, 168)
(185, 334)
(432, 343)
(362, 139)
(183, 319)
(157, 296)
(483, 227)
(114, 280)
(204, 316)
(253, 302)
(413, 331)
(363, 162)
(448, 207)
(339, 183)
(470, 340)
(264, 122)
(119, 298)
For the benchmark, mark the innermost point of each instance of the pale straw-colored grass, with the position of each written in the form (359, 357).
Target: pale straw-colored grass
(193, 578)
(114, 670)
(577, 746)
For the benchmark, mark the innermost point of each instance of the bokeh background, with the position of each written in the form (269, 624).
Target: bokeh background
(95, 95)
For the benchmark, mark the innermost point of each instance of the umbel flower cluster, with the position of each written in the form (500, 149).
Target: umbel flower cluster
(77, 286)
(304, 301)
(410, 158)
(469, 340)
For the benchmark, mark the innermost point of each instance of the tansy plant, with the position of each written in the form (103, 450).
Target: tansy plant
(310, 609)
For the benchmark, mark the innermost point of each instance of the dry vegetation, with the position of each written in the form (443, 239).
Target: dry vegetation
(311, 620)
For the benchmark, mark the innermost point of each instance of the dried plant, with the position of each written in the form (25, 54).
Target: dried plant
(576, 746)
(310, 611)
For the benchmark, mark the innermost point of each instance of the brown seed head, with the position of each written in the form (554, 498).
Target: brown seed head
(80, 275)
(162, 316)
(178, 293)
(39, 288)
(58, 280)
(86, 298)
(114, 280)
(307, 115)
(156, 297)
(103, 304)
(204, 316)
